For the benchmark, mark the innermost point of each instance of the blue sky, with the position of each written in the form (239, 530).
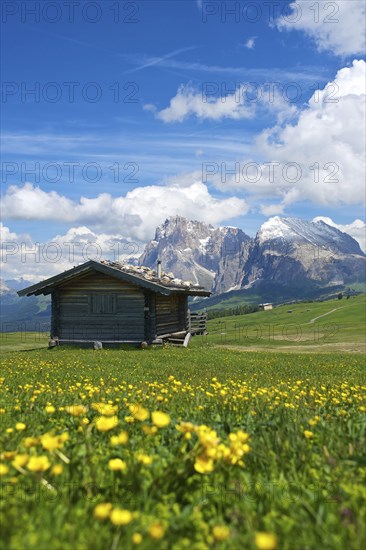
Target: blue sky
(172, 95)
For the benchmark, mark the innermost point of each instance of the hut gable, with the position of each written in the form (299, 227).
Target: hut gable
(97, 306)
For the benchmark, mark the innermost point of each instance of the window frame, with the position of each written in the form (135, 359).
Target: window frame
(102, 303)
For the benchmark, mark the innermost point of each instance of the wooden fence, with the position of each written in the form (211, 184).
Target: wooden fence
(197, 323)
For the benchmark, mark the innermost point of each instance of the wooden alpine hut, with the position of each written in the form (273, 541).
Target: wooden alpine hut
(112, 303)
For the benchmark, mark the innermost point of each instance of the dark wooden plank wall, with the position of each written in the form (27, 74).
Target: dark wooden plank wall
(170, 314)
(150, 316)
(72, 318)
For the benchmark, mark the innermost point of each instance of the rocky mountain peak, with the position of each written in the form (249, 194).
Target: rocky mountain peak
(179, 228)
(192, 249)
(286, 251)
(317, 234)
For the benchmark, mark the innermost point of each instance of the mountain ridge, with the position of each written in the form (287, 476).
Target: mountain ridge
(285, 251)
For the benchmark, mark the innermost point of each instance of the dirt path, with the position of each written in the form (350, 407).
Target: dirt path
(345, 347)
(324, 314)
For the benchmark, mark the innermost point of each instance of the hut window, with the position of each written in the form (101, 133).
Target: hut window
(173, 303)
(102, 303)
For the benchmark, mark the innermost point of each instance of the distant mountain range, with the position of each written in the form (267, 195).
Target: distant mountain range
(22, 314)
(289, 258)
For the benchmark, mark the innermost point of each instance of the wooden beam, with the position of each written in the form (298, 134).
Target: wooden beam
(187, 339)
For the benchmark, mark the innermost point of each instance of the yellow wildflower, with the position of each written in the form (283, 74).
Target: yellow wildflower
(3, 469)
(203, 464)
(220, 532)
(137, 538)
(314, 421)
(20, 426)
(149, 430)
(30, 442)
(160, 419)
(20, 461)
(185, 427)
(76, 410)
(57, 469)
(106, 423)
(38, 464)
(120, 439)
(8, 455)
(139, 412)
(156, 531)
(105, 409)
(50, 409)
(116, 464)
(120, 517)
(103, 510)
(144, 459)
(51, 442)
(243, 437)
(308, 434)
(266, 541)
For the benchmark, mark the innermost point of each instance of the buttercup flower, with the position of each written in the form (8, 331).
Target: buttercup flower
(76, 410)
(156, 531)
(105, 409)
(203, 464)
(265, 541)
(220, 532)
(120, 439)
(139, 412)
(57, 470)
(38, 464)
(120, 517)
(20, 460)
(160, 419)
(103, 510)
(20, 426)
(51, 442)
(30, 442)
(117, 465)
(106, 423)
(144, 459)
(137, 538)
(3, 469)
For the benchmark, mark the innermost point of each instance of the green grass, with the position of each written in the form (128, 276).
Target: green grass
(308, 492)
(279, 328)
(23, 341)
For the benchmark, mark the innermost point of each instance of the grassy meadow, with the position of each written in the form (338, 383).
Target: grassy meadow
(182, 448)
(309, 326)
(198, 448)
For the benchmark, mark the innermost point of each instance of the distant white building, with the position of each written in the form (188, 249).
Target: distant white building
(264, 307)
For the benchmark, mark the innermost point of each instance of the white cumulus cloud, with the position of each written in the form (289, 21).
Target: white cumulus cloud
(337, 26)
(250, 43)
(21, 256)
(134, 215)
(188, 102)
(245, 102)
(318, 156)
